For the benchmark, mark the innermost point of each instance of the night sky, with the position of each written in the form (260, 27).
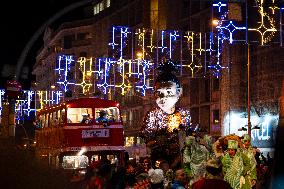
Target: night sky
(20, 21)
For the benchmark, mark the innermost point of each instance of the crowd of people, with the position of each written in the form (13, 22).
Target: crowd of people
(227, 162)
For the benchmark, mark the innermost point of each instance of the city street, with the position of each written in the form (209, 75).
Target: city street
(20, 170)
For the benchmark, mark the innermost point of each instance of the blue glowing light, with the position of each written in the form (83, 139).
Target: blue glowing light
(104, 65)
(231, 28)
(2, 93)
(219, 5)
(145, 80)
(64, 70)
(27, 106)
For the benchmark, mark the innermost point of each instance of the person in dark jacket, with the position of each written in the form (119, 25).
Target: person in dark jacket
(213, 178)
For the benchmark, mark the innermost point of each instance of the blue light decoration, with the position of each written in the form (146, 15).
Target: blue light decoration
(281, 26)
(33, 101)
(219, 5)
(2, 93)
(162, 47)
(19, 113)
(216, 67)
(168, 40)
(28, 105)
(231, 28)
(47, 98)
(143, 85)
(103, 70)
(64, 63)
(123, 82)
(58, 96)
(119, 42)
(173, 38)
(126, 70)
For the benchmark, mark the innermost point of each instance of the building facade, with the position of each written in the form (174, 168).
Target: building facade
(213, 101)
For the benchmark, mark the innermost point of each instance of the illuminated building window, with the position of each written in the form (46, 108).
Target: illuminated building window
(101, 6)
(107, 3)
(96, 9)
(216, 116)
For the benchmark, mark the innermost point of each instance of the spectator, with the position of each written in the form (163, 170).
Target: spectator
(86, 118)
(130, 175)
(102, 117)
(168, 174)
(180, 180)
(213, 178)
(249, 152)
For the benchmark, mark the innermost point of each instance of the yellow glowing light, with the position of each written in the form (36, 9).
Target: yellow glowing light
(39, 93)
(141, 43)
(151, 46)
(174, 122)
(82, 66)
(191, 41)
(215, 22)
(88, 73)
(273, 7)
(139, 55)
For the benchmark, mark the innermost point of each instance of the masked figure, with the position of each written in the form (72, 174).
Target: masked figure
(162, 124)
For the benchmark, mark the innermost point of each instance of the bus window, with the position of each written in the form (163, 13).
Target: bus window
(73, 162)
(110, 114)
(79, 115)
(95, 158)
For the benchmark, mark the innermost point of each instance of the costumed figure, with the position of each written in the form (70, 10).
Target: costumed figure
(235, 165)
(249, 152)
(208, 141)
(195, 156)
(161, 125)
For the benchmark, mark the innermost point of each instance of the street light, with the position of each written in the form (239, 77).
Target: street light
(248, 91)
(215, 22)
(139, 55)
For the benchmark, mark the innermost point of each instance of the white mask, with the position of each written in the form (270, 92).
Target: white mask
(167, 97)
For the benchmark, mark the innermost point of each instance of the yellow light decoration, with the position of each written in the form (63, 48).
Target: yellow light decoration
(174, 121)
(39, 94)
(190, 41)
(82, 66)
(262, 29)
(273, 7)
(141, 38)
(151, 46)
(200, 49)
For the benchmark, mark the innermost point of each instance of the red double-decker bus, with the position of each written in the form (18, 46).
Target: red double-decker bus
(75, 133)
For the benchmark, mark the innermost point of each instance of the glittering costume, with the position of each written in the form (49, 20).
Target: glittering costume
(157, 119)
(235, 170)
(251, 173)
(195, 157)
(160, 132)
